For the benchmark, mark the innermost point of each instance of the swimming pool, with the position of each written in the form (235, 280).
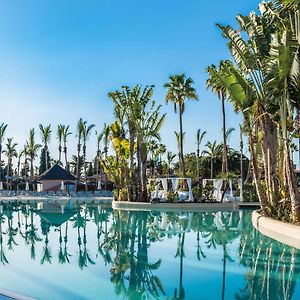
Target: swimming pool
(88, 251)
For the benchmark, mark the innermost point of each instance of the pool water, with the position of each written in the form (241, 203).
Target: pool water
(67, 250)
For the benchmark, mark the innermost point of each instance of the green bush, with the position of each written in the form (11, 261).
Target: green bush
(249, 193)
(207, 193)
(172, 197)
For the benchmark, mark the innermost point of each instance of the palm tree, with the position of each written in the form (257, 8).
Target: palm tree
(59, 134)
(217, 87)
(20, 155)
(46, 136)
(10, 153)
(32, 149)
(153, 148)
(106, 133)
(177, 135)
(170, 158)
(86, 132)
(200, 137)
(65, 134)
(77, 163)
(179, 88)
(99, 137)
(213, 152)
(3, 128)
(80, 125)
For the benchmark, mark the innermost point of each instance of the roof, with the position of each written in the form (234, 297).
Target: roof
(56, 219)
(56, 172)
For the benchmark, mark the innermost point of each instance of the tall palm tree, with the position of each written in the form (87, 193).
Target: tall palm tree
(79, 129)
(65, 134)
(170, 158)
(217, 87)
(46, 136)
(76, 163)
(200, 137)
(20, 155)
(153, 148)
(179, 89)
(178, 140)
(106, 132)
(59, 134)
(25, 151)
(99, 137)
(10, 152)
(161, 151)
(32, 149)
(3, 128)
(86, 132)
(213, 152)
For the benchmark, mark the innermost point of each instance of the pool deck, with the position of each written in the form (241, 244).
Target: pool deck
(134, 206)
(285, 233)
(56, 198)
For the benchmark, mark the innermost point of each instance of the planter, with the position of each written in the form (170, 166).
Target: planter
(174, 206)
(285, 233)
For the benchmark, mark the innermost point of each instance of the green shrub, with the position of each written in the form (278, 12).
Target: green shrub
(172, 197)
(207, 193)
(249, 193)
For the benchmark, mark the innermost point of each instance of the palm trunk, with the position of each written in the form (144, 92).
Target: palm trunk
(46, 156)
(59, 152)
(298, 152)
(144, 195)
(139, 171)
(241, 159)
(66, 157)
(84, 165)
(181, 141)
(8, 173)
(132, 176)
(256, 177)
(78, 156)
(212, 168)
(31, 168)
(198, 167)
(97, 161)
(293, 189)
(224, 159)
(0, 162)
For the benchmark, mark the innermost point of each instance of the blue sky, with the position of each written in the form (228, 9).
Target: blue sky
(59, 59)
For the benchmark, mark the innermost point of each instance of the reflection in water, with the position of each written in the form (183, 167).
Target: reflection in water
(127, 242)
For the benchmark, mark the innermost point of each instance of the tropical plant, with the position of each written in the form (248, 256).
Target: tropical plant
(200, 137)
(65, 134)
(213, 151)
(32, 149)
(59, 134)
(86, 132)
(46, 136)
(179, 89)
(3, 128)
(79, 129)
(217, 87)
(10, 152)
(170, 157)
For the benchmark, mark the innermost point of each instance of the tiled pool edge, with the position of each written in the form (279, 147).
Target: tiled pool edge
(285, 233)
(174, 206)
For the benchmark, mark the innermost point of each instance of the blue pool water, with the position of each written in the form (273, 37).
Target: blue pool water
(88, 251)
